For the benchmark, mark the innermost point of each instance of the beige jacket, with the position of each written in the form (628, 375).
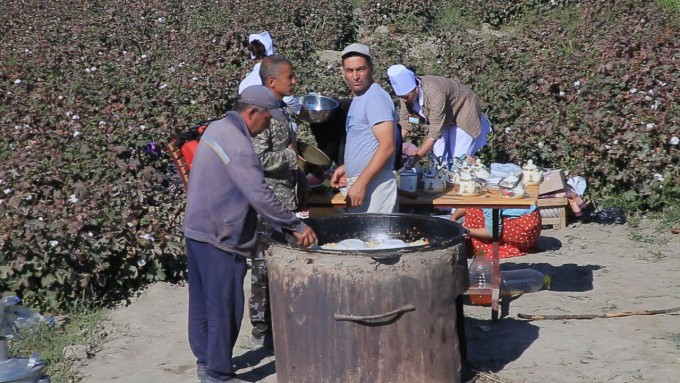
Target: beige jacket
(446, 102)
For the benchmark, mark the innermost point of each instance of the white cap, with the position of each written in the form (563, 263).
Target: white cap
(265, 39)
(402, 79)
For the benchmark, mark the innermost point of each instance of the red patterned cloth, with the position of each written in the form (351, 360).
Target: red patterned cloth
(518, 236)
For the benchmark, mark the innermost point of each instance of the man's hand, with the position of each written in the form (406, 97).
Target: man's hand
(356, 194)
(338, 179)
(307, 238)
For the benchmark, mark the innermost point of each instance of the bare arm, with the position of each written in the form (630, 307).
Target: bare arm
(384, 133)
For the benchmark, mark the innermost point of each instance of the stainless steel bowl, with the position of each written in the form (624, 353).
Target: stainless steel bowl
(320, 108)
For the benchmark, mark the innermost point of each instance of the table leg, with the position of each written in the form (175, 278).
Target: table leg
(496, 278)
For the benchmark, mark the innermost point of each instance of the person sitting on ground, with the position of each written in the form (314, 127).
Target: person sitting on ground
(519, 229)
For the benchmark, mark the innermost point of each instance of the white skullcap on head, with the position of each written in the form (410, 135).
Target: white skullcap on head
(265, 39)
(402, 79)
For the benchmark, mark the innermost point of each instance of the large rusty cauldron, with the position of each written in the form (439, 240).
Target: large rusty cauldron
(368, 316)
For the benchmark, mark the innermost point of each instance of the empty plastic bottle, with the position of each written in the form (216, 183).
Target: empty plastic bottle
(14, 316)
(481, 271)
(516, 282)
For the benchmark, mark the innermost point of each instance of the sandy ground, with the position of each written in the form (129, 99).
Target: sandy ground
(595, 269)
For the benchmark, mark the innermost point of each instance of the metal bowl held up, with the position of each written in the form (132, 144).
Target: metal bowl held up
(320, 108)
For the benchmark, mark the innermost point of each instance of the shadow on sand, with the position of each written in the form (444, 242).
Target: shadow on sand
(492, 345)
(245, 365)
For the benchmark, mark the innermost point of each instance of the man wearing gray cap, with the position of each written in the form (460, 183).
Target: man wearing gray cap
(226, 192)
(371, 138)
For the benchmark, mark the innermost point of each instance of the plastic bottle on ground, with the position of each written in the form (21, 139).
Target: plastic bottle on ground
(481, 271)
(516, 282)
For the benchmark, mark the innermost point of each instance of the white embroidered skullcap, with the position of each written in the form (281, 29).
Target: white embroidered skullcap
(402, 79)
(265, 39)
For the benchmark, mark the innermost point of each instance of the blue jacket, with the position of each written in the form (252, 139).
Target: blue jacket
(227, 190)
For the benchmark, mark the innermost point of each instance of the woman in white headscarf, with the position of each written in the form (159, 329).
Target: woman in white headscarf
(260, 46)
(453, 112)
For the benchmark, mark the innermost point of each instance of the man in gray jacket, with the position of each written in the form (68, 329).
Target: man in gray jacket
(226, 192)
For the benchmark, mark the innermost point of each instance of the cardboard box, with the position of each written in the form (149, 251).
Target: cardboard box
(553, 180)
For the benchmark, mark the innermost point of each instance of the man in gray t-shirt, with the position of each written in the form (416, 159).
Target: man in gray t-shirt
(371, 136)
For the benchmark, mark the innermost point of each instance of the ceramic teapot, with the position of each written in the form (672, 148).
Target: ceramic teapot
(463, 170)
(511, 187)
(468, 184)
(531, 174)
(480, 170)
(433, 181)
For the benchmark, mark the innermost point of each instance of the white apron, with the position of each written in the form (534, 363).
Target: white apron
(456, 142)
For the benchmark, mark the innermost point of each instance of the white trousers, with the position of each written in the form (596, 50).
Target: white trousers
(456, 142)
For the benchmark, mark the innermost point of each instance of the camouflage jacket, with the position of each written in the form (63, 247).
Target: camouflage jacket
(275, 146)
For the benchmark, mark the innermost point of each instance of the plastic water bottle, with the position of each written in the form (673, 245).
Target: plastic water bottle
(481, 271)
(516, 282)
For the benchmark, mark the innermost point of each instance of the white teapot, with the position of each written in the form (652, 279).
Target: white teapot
(468, 185)
(480, 170)
(531, 174)
(511, 187)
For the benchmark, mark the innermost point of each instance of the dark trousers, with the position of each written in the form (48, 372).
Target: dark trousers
(216, 301)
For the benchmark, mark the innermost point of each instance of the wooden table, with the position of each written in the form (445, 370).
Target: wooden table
(488, 200)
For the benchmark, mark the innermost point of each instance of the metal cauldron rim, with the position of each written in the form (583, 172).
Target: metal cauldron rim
(383, 253)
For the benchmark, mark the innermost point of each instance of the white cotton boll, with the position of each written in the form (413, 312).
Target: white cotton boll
(89, 234)
(508, 129)
(163, 86)
(17, 81)
(148, 237)
(75, 117)
(87, 70)
(577, 83)
(40, 218)
(674, 140)
(193, 102)
(658, 177)
(607, 147)
(54, 243)
(7, 191)
(650, 126)
(633, 90)
(142, 127)
(73, 198)
(141, 262)
(102, 123)
(29, 197)
(144, 56)
(562, 94)
(541, 144)
(76, 133)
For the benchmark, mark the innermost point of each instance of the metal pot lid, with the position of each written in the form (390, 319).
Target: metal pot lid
(17, 370)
